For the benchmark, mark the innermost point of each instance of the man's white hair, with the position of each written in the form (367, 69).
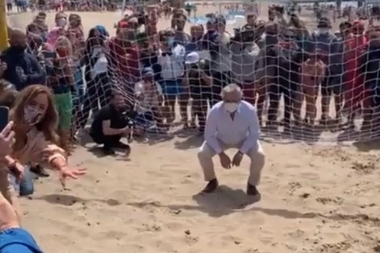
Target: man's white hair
(233, 87)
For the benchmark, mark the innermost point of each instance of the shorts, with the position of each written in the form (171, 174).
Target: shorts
(145, 120)
(171, 87)
(64, 105)
(332, 85)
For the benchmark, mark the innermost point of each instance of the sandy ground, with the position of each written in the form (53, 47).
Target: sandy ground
(315, 198)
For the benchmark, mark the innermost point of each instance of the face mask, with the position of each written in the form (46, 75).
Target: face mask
(96, 50)
(231, 106)
(62, 22)
(170, 41)
(18, 49)
(248, 46)
(271, 39)
(323, 30)
(62, 52)
(32, 116)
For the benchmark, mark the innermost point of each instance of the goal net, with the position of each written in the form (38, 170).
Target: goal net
(310, 81)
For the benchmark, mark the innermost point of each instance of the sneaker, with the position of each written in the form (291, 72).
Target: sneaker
(39, 171)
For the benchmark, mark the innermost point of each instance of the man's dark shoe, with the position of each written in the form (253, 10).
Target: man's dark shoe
(108, 151)
(211, 186)
(121, 145)
(39, 171)
(252, 190)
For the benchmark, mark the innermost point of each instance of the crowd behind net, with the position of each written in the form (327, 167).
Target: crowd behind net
(312, 75)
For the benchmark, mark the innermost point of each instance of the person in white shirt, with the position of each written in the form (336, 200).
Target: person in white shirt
(148, 101)
(171, 58)
(232, 123)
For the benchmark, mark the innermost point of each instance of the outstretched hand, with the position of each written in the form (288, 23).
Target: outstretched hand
(72, 173)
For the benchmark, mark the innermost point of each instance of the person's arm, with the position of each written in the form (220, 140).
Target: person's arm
(39, 76)
(160, 95)
(211, 129)
(206, 77)
(107, 130)
(139, 92)
(253, 131)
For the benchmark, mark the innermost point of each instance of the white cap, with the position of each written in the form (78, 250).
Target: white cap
(192, 58)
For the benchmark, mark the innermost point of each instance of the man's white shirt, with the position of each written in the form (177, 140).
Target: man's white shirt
(244, 128)
(172, 65)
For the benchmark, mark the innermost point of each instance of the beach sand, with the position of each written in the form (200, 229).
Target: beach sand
(315, 198)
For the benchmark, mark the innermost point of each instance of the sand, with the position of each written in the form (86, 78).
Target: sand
(315, 198)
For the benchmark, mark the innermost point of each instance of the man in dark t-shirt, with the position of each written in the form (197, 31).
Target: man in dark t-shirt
(110, 124)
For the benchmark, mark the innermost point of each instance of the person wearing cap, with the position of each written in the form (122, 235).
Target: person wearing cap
(124, 56)
(102, 31)
(327, 43)
(199, 80)
(171, 58)
(149, 99)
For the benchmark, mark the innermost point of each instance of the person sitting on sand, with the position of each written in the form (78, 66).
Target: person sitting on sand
(232, 123)
(149, 99)
(35, 120)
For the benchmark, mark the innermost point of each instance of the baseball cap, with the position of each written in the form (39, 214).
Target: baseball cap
(220, 19)
(122, 24)
(148, 71)
(192, 58)
(102, 30)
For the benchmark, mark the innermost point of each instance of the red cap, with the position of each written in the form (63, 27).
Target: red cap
(122, 24)
(358, 23)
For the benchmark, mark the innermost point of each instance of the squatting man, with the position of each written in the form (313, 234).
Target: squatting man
(232, 123)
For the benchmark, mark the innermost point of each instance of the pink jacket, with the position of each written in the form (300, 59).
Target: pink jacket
(38, 150)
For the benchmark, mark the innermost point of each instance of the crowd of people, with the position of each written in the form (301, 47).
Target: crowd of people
(54, 80)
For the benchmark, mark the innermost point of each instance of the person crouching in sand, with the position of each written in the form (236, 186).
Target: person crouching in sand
(232, 123)
(35, 121)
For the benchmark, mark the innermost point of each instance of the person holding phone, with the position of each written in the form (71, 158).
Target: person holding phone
(13, 238)
(23, 69)
(6, 140)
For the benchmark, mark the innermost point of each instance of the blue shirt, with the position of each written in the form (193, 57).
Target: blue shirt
(244, 128)
(18, 240)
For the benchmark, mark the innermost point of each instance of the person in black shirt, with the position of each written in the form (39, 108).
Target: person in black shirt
(110, 124)
(199, 80)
